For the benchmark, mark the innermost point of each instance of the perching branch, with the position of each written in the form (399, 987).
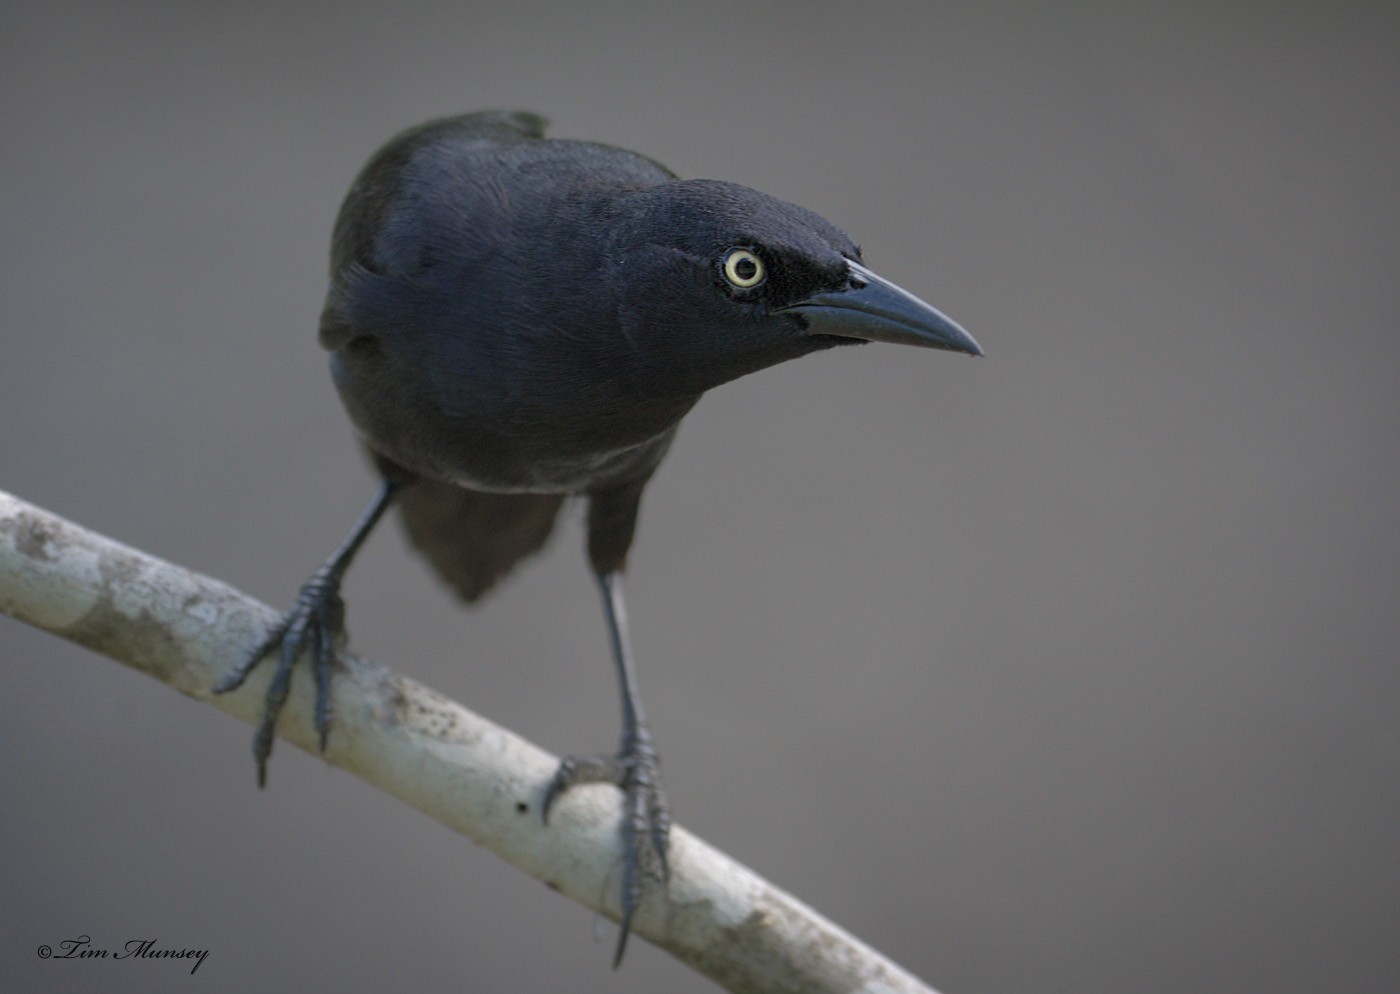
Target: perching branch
(475, 777)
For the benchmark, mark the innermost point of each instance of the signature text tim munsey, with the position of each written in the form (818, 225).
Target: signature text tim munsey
(82, 948)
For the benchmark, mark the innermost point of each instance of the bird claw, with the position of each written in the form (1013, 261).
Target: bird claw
(316, 622)
(646, 822)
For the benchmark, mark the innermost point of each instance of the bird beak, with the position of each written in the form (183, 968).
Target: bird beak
(874, 309)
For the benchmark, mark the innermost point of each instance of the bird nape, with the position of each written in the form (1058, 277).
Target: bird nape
(513, 320)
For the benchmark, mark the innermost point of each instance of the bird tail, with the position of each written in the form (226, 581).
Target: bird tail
(473, 539)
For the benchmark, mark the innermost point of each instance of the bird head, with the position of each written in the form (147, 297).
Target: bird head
(717, 280)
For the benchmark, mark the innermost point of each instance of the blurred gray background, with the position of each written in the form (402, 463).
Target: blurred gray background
(1070, 669)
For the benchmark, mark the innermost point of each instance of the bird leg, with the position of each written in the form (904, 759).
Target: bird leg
(646, 821)
(315, 622)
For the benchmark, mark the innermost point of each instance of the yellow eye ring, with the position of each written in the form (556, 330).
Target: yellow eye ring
(743, 269)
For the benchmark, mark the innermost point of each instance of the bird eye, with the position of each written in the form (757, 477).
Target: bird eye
(743, 268)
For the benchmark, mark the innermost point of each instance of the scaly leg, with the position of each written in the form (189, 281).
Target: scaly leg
(647, 816)
(315, 622)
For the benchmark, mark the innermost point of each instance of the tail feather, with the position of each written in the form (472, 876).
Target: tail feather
(473, 539)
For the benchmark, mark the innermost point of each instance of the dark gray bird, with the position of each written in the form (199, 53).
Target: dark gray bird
(513, 320)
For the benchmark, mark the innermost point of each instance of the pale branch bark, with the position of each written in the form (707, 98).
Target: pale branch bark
(475, 777)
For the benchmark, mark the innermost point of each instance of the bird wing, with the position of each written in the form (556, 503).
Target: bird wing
(522, 122)
(432, 193)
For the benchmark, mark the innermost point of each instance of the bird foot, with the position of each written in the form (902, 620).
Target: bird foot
(646, 822)
(315, 622)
